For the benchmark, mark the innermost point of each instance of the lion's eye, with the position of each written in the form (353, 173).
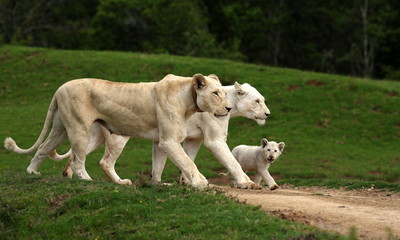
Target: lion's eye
(216, 94)
(258, 101)
(269, 150)
(275, 151)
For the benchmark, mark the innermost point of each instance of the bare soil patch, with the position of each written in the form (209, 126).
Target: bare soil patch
(373, 213)
(58, 202)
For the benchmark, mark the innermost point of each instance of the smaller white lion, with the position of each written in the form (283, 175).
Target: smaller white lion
(259, 158)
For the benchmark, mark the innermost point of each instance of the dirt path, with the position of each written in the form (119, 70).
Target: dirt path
(375, 214)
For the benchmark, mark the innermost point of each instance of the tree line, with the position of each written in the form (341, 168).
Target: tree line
(352, 37)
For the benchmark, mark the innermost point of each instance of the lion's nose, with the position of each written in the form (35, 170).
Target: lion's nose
(228, 108)
(266, 114)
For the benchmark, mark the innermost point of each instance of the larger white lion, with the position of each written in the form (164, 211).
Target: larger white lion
(156, 111)
(246, 101)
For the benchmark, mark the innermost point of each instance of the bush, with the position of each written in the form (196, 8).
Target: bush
(393, 75)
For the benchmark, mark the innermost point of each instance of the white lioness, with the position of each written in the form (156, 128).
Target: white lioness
(259, 158)
(156, 111)
(246, 101)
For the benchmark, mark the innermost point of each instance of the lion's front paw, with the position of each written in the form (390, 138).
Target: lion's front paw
(274, 187)
(201, 184)
(124, 182)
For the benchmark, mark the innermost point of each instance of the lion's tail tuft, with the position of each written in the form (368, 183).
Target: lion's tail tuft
(10, 144)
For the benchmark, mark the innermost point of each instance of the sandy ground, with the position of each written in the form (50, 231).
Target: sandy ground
(374, 214)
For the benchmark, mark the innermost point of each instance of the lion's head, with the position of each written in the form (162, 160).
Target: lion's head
(210, 96)
(250, 103)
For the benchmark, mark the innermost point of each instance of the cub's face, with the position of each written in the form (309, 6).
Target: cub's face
(211, 97)
(271, 150)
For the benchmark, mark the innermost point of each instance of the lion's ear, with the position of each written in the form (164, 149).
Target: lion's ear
(239, 89)
(199, 81)
(281, 146)
(213, 76)
(264, 142)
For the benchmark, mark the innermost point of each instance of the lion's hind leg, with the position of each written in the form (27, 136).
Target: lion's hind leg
(96, 139)
(78, 165)
(78, 159)
(68, 170)
(56, 137)
(79, 138)
(114, 146)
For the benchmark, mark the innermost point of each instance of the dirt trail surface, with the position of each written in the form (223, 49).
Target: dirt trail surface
(375, 214)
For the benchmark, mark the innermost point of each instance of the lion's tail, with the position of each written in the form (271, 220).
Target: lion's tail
(11, 145)
(56, 157)
(223, 174)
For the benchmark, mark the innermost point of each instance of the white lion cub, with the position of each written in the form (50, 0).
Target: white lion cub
(259, 158)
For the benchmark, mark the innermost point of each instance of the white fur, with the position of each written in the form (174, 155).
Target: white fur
(203, 127)
(156, 111)
(259, 159)
(246, 101)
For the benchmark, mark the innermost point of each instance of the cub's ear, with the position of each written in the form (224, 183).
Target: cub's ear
(239, 89)
(199, 81)
(281, 146)
(264, 142)
(213, 76)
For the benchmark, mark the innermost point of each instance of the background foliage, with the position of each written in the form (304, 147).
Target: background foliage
(357, 37)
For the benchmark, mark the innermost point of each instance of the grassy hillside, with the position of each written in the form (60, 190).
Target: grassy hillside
(336, 129)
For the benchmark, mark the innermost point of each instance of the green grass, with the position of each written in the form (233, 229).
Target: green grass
(337, 130)
(36, 207)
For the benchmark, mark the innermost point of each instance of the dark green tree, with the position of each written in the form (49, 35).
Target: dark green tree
(48, 23)
(358, 37)
(159, 26)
